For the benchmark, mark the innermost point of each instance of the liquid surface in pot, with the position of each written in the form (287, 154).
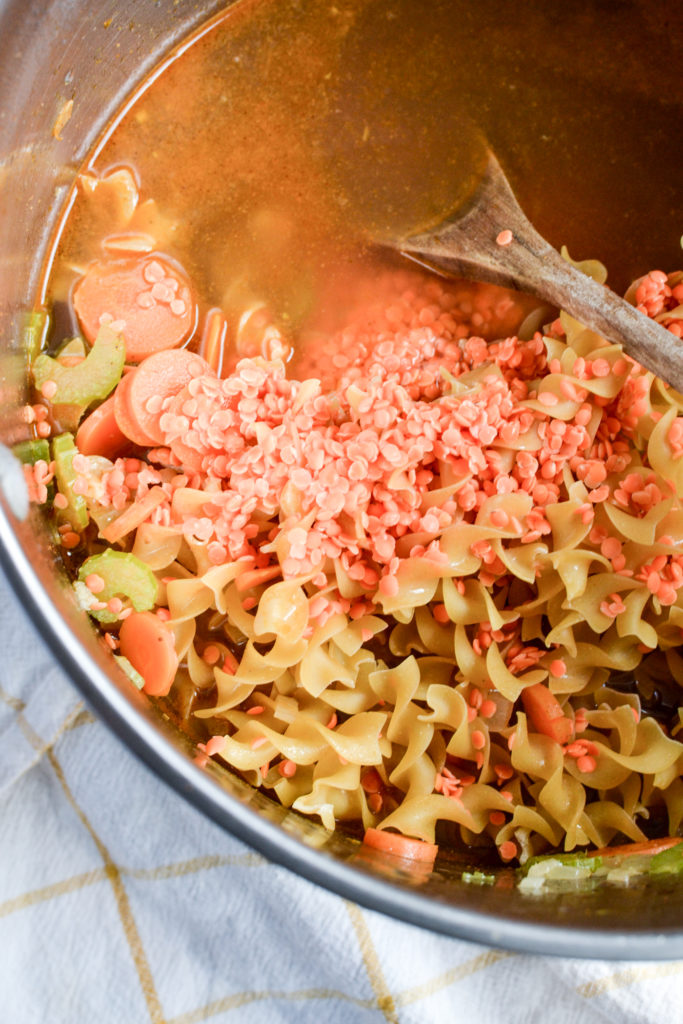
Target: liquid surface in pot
(292, 132)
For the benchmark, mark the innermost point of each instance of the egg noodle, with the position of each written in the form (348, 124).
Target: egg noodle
(407, 567)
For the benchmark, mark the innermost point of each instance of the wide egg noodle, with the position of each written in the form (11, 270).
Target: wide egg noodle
(395, 682)
(157, 546)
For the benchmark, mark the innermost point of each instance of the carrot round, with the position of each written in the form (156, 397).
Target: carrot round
(546, 714)
(255, 577)
(150, 648)
(133, 515)
(400, 846)
(125, 419)
(159, 376)
(149, 294)
(99, 433)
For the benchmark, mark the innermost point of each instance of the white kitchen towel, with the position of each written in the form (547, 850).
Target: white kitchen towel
(120, 904)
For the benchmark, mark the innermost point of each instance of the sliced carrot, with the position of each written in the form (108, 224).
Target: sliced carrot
(99, 433)
(213, 343)
(159, 376)
(646, 849)
(255, 577)
(126, 421)
(150, 294)
(400, 846)
(546, 714)
(149, 646)
(134, 515)
(419, 871)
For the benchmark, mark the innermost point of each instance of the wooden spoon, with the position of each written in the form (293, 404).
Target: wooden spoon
(465, 245)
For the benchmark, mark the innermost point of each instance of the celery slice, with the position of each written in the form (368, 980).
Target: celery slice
(89, 381)
(132, 673)
(478, 878)
(35, 449)
(124, 576)
(668, 862)
(63, 451)
(571, 860)
(32, 451)
(34, 332)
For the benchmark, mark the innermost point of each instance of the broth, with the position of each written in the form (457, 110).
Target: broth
(291, 133)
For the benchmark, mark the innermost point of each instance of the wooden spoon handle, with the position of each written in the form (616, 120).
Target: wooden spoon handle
(600, 309)
(467, 247)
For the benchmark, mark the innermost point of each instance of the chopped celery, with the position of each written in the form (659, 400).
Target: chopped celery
(87, 382)
(63, 451)
(35, 328)
(134, 676)
(562, 869)
(125, 576)
(32, 451)
(668, 862)
(571, 860)
(36, 449)
(478, 878)
(618, 867)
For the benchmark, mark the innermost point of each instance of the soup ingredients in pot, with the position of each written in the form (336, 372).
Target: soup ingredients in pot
(402, 565)
(415, 544)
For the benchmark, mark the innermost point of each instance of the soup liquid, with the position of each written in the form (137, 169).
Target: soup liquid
(292, 134)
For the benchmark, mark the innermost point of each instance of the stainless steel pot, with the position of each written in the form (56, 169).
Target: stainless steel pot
(61, 50)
